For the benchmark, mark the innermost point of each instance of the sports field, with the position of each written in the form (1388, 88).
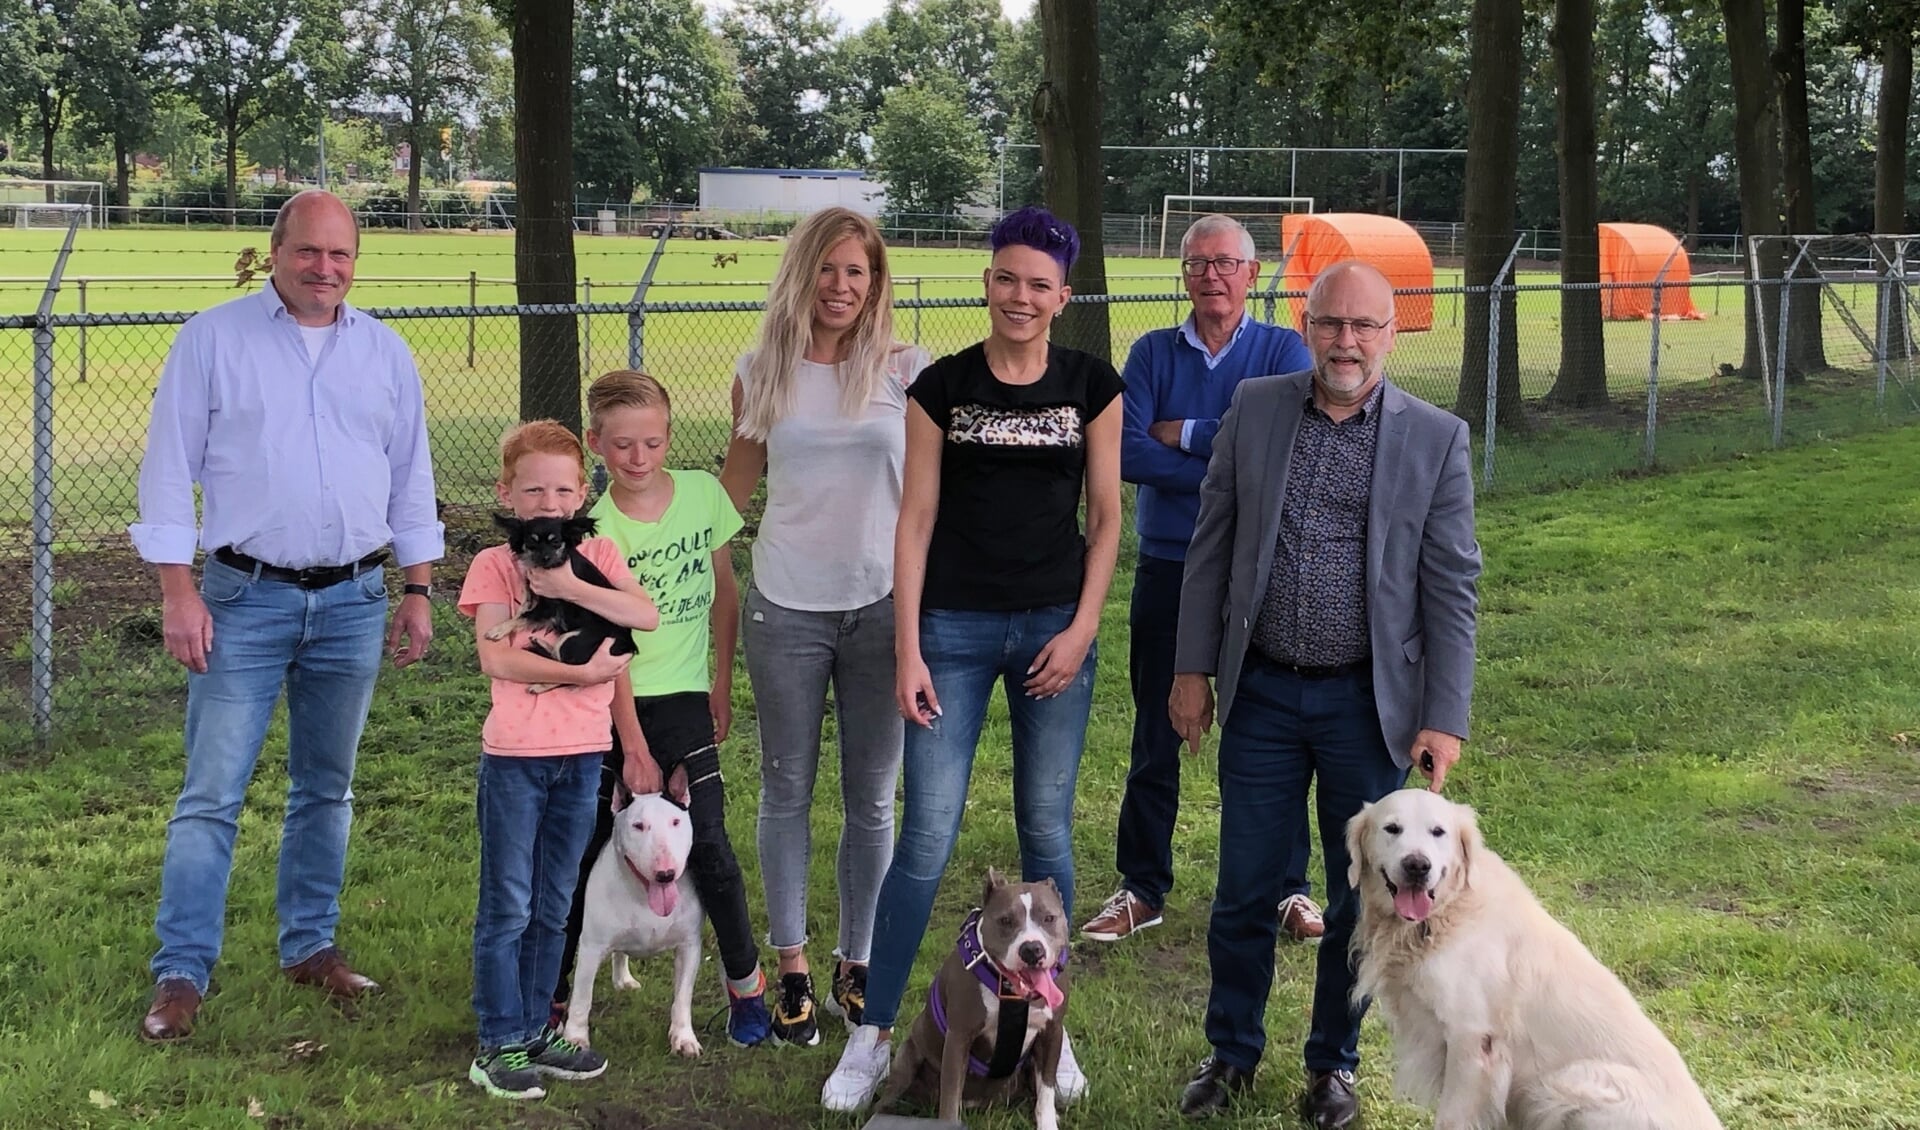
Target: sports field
(105, 375)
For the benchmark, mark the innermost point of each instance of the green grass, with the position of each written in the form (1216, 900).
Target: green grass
(100, 408)
(1696, 735)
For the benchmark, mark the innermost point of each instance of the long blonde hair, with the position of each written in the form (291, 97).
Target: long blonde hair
(787, 329)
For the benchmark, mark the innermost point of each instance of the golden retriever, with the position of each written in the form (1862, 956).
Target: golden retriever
(1501, 1019)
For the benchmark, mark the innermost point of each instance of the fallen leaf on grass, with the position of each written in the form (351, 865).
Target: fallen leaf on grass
(1902, 738)
(254, 1109)
(305, 1049)
(102, 1100)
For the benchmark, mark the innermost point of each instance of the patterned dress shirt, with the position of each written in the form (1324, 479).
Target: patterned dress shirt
(1315, 611)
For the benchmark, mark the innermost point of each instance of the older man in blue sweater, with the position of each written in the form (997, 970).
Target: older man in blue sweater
(1179, 383)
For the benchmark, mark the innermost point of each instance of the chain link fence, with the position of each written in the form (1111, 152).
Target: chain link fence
(1671, 386)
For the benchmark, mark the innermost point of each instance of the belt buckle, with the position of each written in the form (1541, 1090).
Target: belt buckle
(313, 577)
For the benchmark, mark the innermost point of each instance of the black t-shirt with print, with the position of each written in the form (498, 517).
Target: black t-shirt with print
(1007, 535)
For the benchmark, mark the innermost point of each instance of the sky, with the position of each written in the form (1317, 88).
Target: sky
(854, 14)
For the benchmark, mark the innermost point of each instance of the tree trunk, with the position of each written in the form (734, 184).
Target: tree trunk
(1806, 353)
(1756, 153)
(122, 174)
(413, 173)
(1066, 113)
(1890, 172)
(1582, 382)
(49, 129)
(1492, 183)
(233, 172)
(543, 264)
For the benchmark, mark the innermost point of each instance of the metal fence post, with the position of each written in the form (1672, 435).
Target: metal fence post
(637, 308)
(81, 283)
(916, 310)
(1653, 371)
(1880, 351)
(473, 299)
(42, 626)
(1493, 364)
(586, 325)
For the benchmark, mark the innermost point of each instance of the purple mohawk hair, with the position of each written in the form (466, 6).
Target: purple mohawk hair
(1035, 227)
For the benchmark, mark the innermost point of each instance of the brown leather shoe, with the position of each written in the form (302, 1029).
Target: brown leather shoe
(1300, 919)
(329, 970)
(170, 1016)
(1124, 914)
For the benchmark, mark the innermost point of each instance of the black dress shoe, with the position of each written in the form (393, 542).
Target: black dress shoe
(1329, 1103)
(1214, 1086)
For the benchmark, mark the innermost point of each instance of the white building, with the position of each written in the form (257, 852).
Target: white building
(789, 190)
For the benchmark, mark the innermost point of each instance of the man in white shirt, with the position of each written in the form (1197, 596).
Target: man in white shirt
(303, 423)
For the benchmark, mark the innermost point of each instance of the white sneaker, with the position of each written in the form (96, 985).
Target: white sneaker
(862, 1070)
(1070, 1083)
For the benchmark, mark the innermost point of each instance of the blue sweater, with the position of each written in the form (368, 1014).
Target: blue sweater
(1168, 379)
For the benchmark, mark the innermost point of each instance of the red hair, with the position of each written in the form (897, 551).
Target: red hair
(541, 437)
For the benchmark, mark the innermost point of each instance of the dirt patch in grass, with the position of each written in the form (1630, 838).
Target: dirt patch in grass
(1852, 783)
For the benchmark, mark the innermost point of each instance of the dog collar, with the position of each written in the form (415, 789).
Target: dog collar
(981, 964)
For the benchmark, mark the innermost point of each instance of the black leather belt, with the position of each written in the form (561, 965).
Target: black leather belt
(1305, 671)
(317, 577)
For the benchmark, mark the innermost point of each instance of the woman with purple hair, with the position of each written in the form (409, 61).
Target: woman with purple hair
(994, 582)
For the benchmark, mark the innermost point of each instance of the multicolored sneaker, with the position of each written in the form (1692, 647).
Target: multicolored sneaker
(507, 1073)
(849, 999)
(748, 1023)
(555, 1055)
(793, 1020)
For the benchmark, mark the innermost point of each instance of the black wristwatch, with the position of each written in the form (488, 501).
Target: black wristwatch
(418, 590)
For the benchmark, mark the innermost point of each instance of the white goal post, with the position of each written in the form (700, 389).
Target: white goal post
(28, 203)
(1247, 209)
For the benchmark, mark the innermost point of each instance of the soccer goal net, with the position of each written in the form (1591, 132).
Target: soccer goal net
(52, 203)
(1260, 215)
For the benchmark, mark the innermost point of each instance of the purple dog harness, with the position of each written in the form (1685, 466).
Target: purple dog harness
(1009, 1050)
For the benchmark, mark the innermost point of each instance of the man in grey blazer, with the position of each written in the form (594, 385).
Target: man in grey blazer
(1330, 594)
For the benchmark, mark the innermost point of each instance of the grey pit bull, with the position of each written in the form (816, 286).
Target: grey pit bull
(991, 1031)
(640, 900)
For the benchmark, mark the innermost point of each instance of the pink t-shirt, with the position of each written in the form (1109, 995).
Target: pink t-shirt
(565, 720)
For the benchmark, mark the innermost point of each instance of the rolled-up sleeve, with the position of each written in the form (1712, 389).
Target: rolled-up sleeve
(168, 531)
(412, 511)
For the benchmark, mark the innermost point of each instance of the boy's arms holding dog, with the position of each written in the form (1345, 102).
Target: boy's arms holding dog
(626, 604)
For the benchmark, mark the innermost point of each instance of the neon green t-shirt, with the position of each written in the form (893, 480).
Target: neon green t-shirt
(673, 561)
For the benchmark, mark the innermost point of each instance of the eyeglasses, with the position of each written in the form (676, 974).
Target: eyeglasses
(1223, 265)
(1364, 329)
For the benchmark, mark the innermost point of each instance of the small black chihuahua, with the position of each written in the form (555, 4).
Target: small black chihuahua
(548, 543)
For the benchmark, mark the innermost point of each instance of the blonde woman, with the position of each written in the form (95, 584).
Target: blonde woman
(820, 407)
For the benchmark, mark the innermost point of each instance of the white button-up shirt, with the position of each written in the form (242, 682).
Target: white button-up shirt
(301, 462)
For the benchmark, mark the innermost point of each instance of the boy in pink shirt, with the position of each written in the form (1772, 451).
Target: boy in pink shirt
(539, 767)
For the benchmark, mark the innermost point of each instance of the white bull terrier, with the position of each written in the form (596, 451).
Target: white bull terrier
(640, 901)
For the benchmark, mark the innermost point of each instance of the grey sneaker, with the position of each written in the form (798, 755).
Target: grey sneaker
(555, 1055)
(506, 1073)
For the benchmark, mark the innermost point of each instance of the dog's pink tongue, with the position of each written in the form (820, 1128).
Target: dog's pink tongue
(1412, 905)
(1041, 985)
(662, 897)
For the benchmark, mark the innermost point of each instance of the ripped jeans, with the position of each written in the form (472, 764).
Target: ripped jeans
(967, 653)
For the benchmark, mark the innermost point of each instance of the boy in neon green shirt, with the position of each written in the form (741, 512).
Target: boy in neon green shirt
(673, 527)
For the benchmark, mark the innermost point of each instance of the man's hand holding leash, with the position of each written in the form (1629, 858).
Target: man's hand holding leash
(1435, 753)
(1190, 709)
(411, 629)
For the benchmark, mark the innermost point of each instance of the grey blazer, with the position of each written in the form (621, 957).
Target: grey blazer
(1423, 563)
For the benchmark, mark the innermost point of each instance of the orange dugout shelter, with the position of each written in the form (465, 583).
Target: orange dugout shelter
(1631, 253)
(1313, 241)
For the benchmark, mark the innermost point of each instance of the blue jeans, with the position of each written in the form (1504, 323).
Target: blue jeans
(536, 814)
(967, 653)
(1143, 843)
(1283, 731)
(323, 646)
